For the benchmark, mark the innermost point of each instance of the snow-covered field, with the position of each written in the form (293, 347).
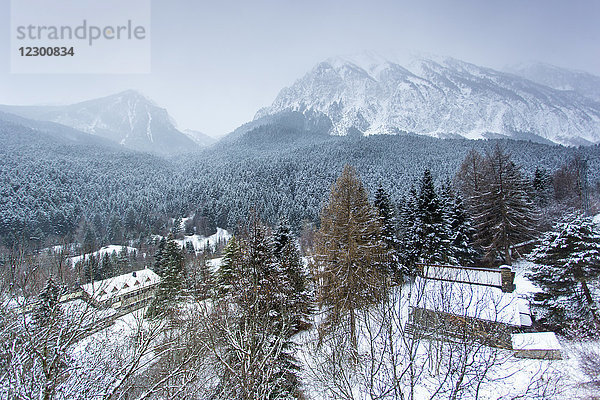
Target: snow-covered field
(103, 251)
(201, 242)
(198, 241)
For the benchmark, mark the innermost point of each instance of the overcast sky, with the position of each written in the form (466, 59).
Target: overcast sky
(214, 64)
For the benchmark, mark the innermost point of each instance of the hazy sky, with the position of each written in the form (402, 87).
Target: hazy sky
(214, 64)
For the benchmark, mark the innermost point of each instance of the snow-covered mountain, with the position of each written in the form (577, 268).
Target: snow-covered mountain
(369, 94)
(127, 118)
(201, 139)
(584, 83)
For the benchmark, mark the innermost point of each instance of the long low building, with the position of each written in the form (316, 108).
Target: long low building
(501, 278)
(467, 303)
(125, 292)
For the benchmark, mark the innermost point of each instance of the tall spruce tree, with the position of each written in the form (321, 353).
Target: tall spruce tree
(433, 230)
(388, 222)
(459, 225)
(348, 248)
(283, 236)
(259, 350)
(158, 256)
(568, 272)
(170, 289)
(542, 186)
(48, 307)
(260, 257)
(230, 268)
(293, 277)
(503, 213)
(410, 241)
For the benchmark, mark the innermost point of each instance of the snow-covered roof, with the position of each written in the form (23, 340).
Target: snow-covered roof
(535, 341)
(472, 300)
(120, 285)
(480, 276)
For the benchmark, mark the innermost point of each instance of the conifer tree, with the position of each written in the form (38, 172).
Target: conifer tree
(158, 256)
(388, 222)
(105, 268)
(542, 186)
(471, 175)
(348, 248)
(459, 225)
(204, 284)
(260, 257)
(503, 212)
(89, 240)
(260, 347)
(283, 236)
(433, 230)
(48, 308)
(177, 226)
(568, 259)
(170, 289)
(231, 266)
(410, 242)
(424, 227)
(189, 248)
(463, 233)
(294, 283)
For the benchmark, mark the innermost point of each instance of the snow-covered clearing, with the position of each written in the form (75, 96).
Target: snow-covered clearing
(201, 242)
(102, 252)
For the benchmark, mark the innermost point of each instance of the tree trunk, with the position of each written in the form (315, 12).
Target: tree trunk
(507, 256)
(589, 299)
(353, 340)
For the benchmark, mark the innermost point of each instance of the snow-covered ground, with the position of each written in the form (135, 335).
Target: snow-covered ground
(508, 377)
(214, 264)
(201, 242)
(69, 247)
(103, 251)
(524, 287)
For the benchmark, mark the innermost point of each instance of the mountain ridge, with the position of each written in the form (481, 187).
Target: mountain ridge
(127, 118)
(444, 97)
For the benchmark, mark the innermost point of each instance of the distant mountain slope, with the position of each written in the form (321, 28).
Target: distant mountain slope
(443, 98)
(583, 83)
(49, 130)
(301, 123)
(201, 139)
(126, 118)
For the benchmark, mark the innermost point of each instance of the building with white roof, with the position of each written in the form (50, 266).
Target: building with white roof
(502, 277)
(125, 292)
(458, 302)
(538, 345)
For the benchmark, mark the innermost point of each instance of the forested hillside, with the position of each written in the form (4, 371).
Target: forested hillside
(52, 188)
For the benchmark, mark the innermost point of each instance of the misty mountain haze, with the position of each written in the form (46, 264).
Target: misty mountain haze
(127, 118)
(367, 94)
